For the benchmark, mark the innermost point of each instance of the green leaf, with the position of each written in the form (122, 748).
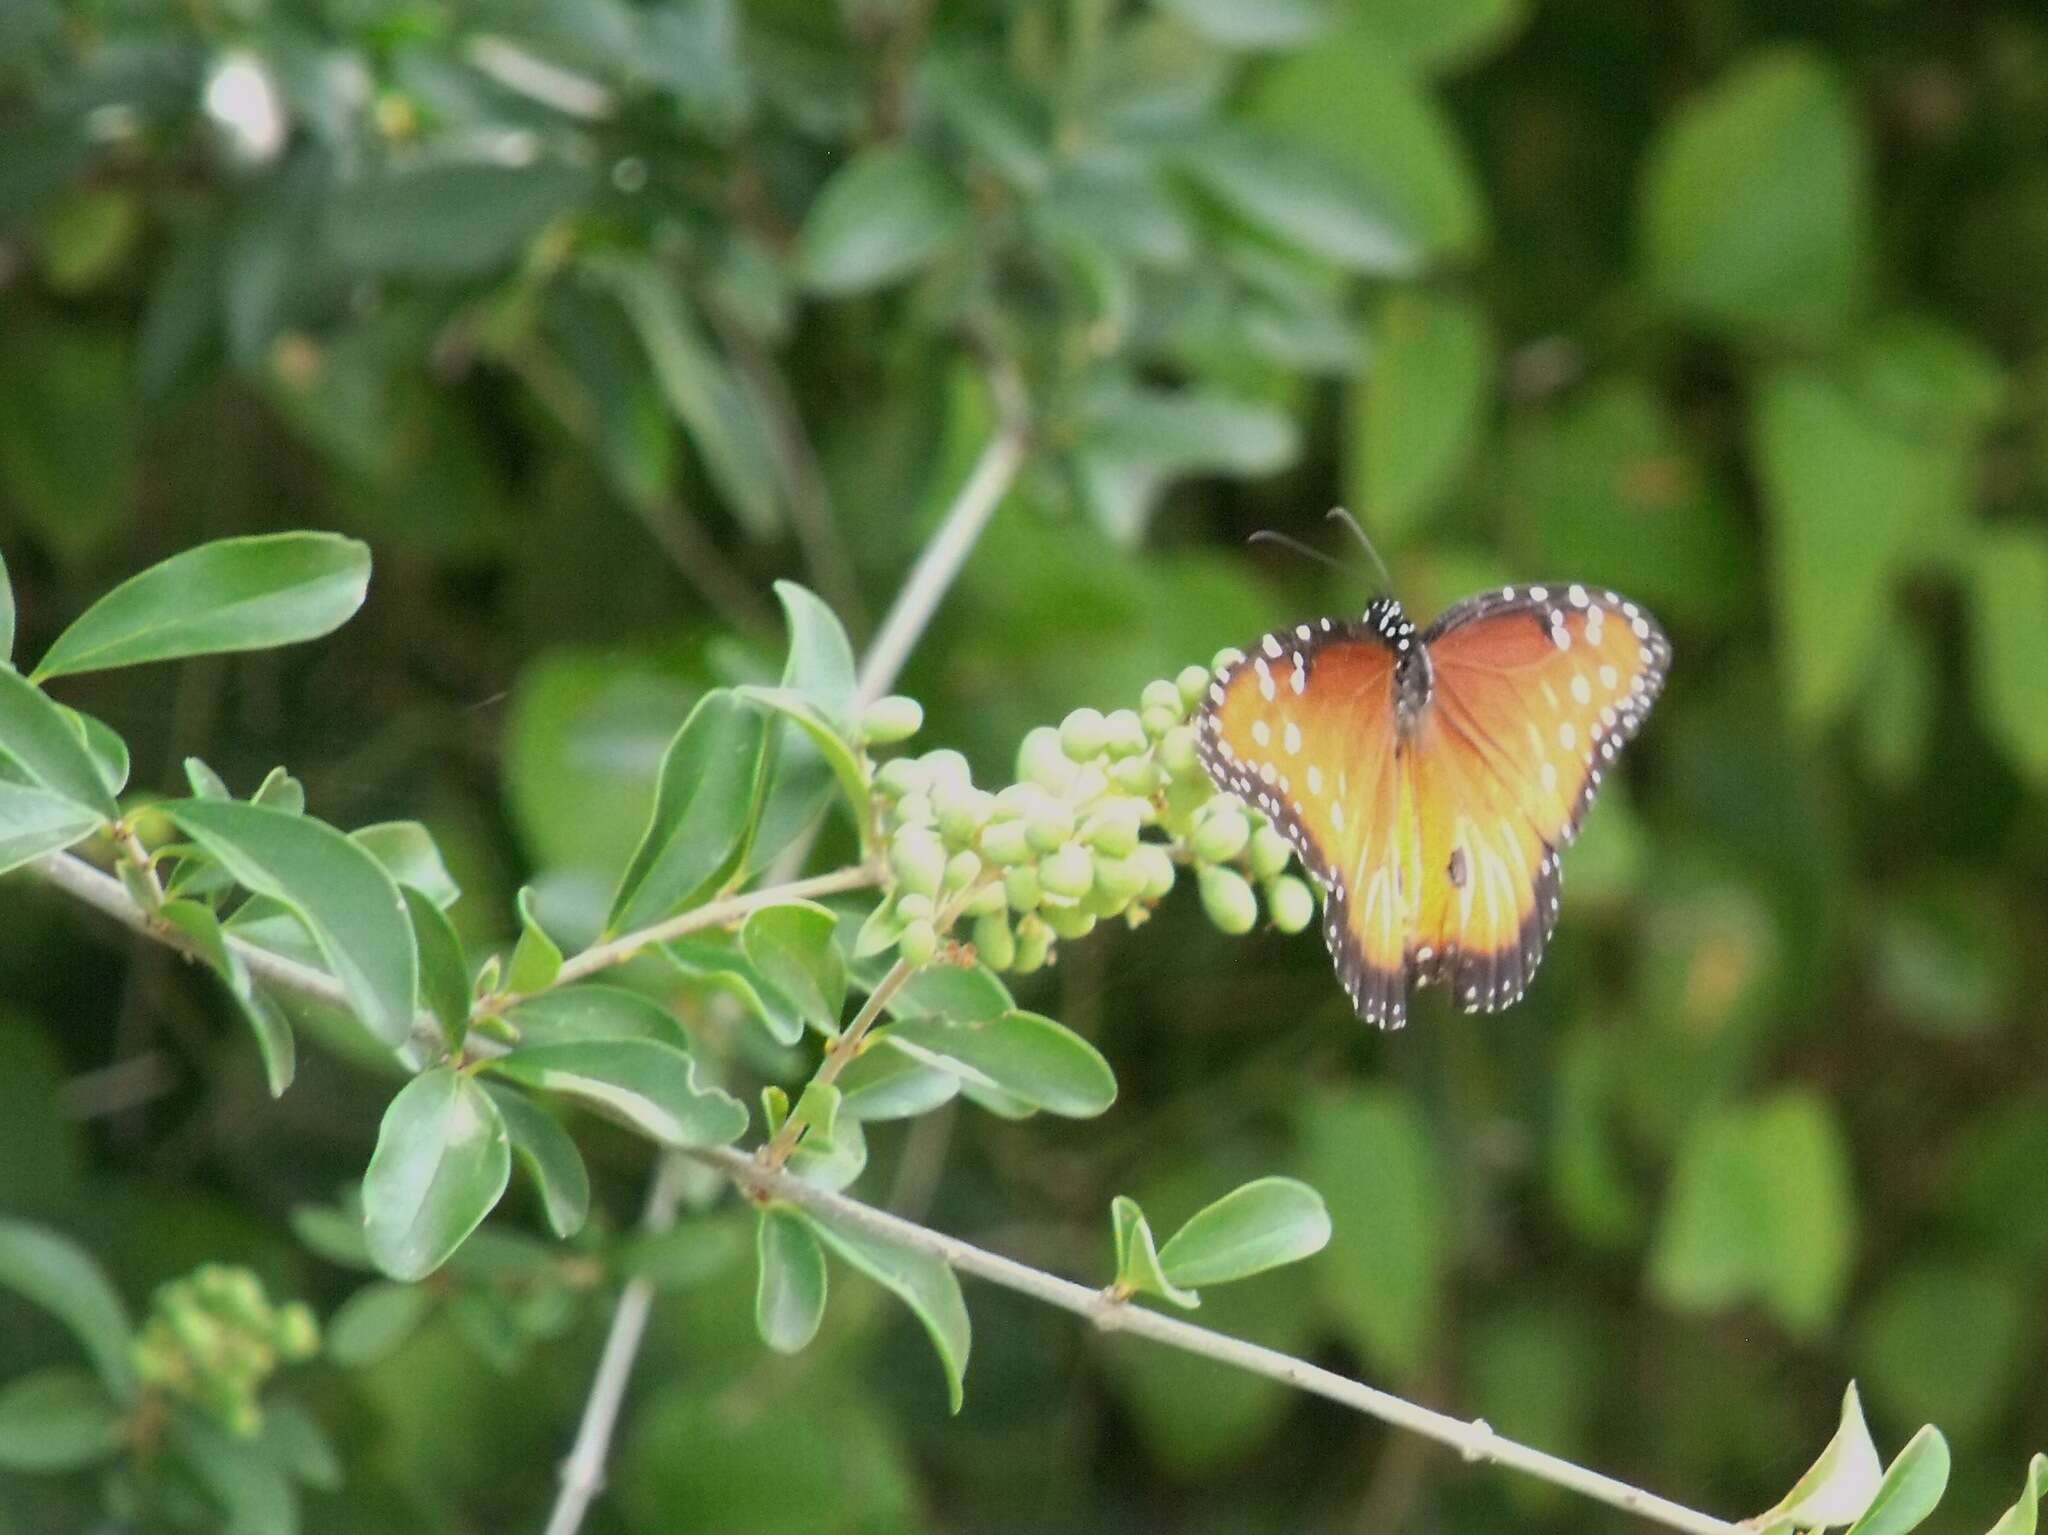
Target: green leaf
(1419, 409)
(35, 822)
(1135, 441)
(703, 813)
(922, 1283)
(593, 1011)
(339, 892)
(1837, 1487)
(444, 970)
(373, 1322)
(724, 421)
(1252, 25)
(536, 958)
(1919, 1366)
(409, 855)
(887, 213)
(843, 759)
(238, 1474)
(886, 1083)
(273, 1034)
(109, 751)
(550, 1158)
(820, 663)
(816, 1116)
(1383, 1280)
(1760, 1207)
(57, 1420)
(1042, 1063)
(959, 993)
(35, 734)
(687, 1254)
(1138, 1268)
(789, 1298)
(651, 1087)
(233, 594)
(792, 947)
(280, 791)
(1846, 499)
(447, 218)
(53, 1273)
(1439, 34)
(1912, 1487)
(718, 963)
(2008, 574)
(205, 782)
(832, 1164)
(1295, 194)
(441, 1164)
(2023, 1517)
(1258, 1226)
(1756, 202)
(6, 614)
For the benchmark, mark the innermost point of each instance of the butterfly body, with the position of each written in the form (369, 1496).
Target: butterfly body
(1427, 778)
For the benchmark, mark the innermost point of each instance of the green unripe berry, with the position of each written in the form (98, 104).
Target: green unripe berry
(1021, 889)
(1126, 733)
(912, 907)
(1156, 868)
(1138, 776)
(1034, 944)
(987, 900)
(994, 942)
(1160, 694)
(914, 809)
(962, 870)
(1050, 825)
(1193, 685)
(1290, 904)
(1221, 832)
(919, 859)
(1158, 721)
(900, 776)
(1177, 753)
(1070, 921)
(889, 720)
(946, 768)
(1226, 658)
(1121, 880)
(1043, 761)
(1113, 827)
(1005, 843)
(1269, 852)
(920, 941)
(1083, 735)
(1068, 871)
(1228, 900)
(961, 812)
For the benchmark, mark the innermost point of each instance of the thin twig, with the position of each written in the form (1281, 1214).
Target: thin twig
(933, 574)
(1474, 1440)
(838, 1055)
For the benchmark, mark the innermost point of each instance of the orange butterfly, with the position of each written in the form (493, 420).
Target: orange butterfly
(1428, 777)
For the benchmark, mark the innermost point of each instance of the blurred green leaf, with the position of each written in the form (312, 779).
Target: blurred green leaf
(1135, 441)
(2008, 574)
(68, 432)
(441, 1164)
(536, 958)
(1899, 707)
(1761, 1207)
(1925, 377)
(789, 1298)
(792, 947)
(1756, 202)
(1439, 34)
(1042, 1063)
(239, 1474)
(1944, 957)
(1838, 1486)
(1256, 1227)
(374, 1321)
(550, 1158)
(1295, 194)
(36, 736)
(57, 1420)
(649, 1086)
(35, 822)
(1911, 1489)
(1418, 411)
(1846, 498)
(7, 614)
(1920, 1366)
(886, 213)
(447, 219)
(273, 1034)
(339, 892)
(233, 594)
(1252, 25)
(922, 1283)
(410, 856)
(55, 1274)
(2023, 1517)
(1138, 1268)
(1390, 1243)
(703, 813)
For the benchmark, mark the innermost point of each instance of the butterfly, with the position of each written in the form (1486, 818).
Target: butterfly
(1427, 778)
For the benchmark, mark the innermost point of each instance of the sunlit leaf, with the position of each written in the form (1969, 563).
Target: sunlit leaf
(1911, 1489)
(1137, 1258)
(1259, 1226)
(1837, 1487)
(792, 947)
(2023, 1517)
(410, 856)
(441, 1165)
(789, 1296)
(1039, 1062)
(651, 1087)
(924, 1284)
(536, 958)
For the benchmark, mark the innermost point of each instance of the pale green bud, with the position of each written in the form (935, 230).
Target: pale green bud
(1034, 944)
(961, 812)
(1269, 852)
(889, 720)
(1021, 890)
(1177, 753)
(1228, 900)
(1160, 694)
(1043, 761)
(994, 941)
(914, 809)
(1126, 733)
(1070, 921)
(1050, 825)
(1121, 880)
(920, 941)
(900, 776)
(919, 859)
(1193, 685)
(1083, 735)
(947, 768)
(962, 870)
(912, 907)
(1157, 869)
(1112, 827)
(1158, 721)
(1221, 832)
(1226, 658)
(1068, 871)
(1005, 843)
(1290, 904)
(1136, 775)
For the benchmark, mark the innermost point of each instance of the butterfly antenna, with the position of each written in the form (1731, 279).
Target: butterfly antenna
(1269, 536)
(1339, 514)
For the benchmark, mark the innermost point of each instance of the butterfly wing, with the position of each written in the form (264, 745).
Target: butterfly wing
(1303, 728)
(1536, 690)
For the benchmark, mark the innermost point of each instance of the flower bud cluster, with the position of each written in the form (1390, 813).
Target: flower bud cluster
(214, 1338)
(1105, 811)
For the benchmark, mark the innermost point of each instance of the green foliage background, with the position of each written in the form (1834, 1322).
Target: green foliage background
(594, 318)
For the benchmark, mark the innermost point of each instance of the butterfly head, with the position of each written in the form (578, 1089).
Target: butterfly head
(1414, 678)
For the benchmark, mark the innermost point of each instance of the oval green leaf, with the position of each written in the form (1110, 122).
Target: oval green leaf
(923, 1283)
(792, 946)
(789, 1296)
(233, 594)
(2023, 1517)
(887, 213)
(35, 822)
(37, 736)
(1840, 1484)
(409, 855)
(374, 1321)
(441, 1164)
(50, 1271)
(651, 1087)
(1137, 1259)
(550, 1158)
(57, 1420)
(1025, 1055)
(886, 1083)
(536, 958)
(274, 1042)
(444, 970)
(1911, 1489)
(1262, 1225)
(340, 893)
(578, 1014)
